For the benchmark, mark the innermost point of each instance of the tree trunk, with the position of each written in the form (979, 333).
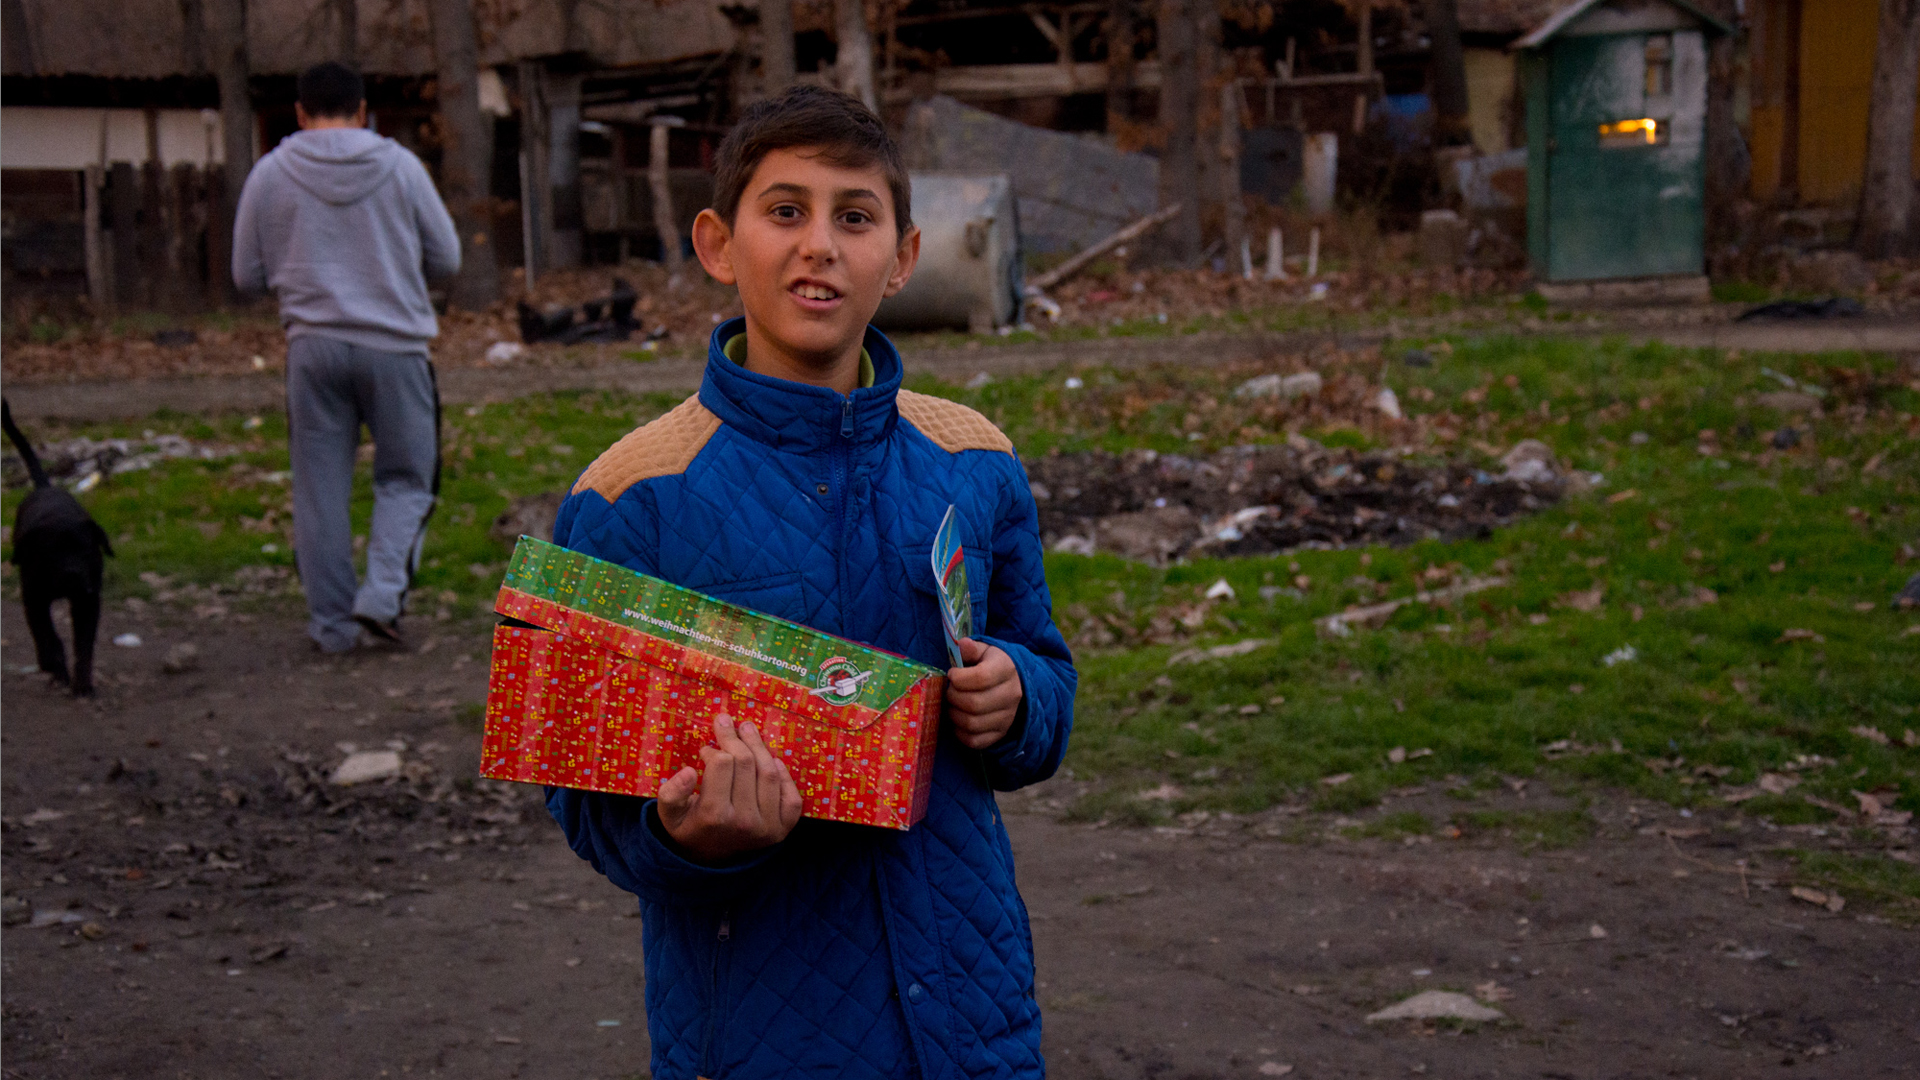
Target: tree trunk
(776, 46)
(1178, 34)
(1886, 196)
(1449, 73)
(854, 61)
(346, 25)
(1120, 41)
(226, 39)
(466, 153)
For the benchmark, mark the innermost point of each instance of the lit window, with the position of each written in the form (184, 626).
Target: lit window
(1641, 132)
(1659, 65)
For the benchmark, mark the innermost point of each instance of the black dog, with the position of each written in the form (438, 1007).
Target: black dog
(60, 551)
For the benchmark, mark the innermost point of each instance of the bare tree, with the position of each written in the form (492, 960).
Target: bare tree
(466, 152)
(1449, 72)
(1886, 197)
(226, 40)
(776, 46)
(1180, 82)
(854, 62)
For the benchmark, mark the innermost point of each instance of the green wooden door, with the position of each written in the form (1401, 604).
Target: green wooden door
(1625, 181)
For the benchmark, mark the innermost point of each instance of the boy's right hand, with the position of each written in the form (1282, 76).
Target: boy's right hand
(745, 800)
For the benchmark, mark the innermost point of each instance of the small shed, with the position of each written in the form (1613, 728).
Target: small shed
(1616, 94)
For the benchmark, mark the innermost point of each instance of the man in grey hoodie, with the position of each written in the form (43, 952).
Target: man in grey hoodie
(345, 226)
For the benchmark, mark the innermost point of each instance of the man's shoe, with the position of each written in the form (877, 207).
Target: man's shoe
(388, 632)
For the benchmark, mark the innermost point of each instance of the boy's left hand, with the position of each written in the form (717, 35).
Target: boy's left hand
(984, 697)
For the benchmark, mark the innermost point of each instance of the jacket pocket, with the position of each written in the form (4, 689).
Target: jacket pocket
(919, 570)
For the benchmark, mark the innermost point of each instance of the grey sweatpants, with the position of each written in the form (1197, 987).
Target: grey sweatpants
(332, 388)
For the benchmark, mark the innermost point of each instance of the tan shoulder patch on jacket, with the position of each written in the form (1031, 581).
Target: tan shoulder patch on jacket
(951, 425)
(662, 447)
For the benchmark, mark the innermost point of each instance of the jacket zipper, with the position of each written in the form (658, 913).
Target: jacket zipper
(708, 1059)
(842, 481)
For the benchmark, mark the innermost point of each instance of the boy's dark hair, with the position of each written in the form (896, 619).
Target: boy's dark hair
(331, 90)
(844, 131)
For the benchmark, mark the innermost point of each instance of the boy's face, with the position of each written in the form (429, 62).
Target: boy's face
(813, 250)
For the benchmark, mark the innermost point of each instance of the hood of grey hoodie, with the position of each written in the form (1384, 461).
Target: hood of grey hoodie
(340, 166)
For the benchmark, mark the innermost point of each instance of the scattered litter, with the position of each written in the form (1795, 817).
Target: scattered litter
(1274, 1068)
(1374, 616)
(83, 463)
(1220, 590)
(981, 380)
(1832, 901)
(606, 1023)
(1623, 655)
(1285, 387)
(1397, 755)
(127, 641)
(1336, 779)
(181, 659)
(1623, 496)
(1388, 403)
(1871, 734)
(42, 816)
(1798, 634)
(1530, 461)
(259, 362)
(1163, 793)
(1437, 1005)
(505, 352)
(1074, 382)
(1776, 783)
(1218, 652)
(1596, 931)
(253, 423)
(55, 918)
(365, 766)
(1639, 438)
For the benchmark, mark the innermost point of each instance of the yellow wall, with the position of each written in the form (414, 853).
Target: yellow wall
(1836, 83)
(1490, 77)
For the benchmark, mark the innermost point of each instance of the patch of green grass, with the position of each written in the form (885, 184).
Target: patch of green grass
(1392, 826)
(1741, 292)
(1549, 829)
(1891, 886)
(1790, 540)
(1783, 540)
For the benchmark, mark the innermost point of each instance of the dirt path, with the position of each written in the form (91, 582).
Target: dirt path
(92, 401)
(214, 908)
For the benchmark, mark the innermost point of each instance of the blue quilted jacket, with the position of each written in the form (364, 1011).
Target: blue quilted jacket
(844, 951)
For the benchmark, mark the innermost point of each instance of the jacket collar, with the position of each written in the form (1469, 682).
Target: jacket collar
(796, 417)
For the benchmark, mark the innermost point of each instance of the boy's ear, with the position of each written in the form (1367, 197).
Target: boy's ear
(713, 243)
(904, 260)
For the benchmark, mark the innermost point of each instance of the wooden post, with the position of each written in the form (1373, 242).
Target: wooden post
(1179, 124)
(536, 215)
(467, 153)
(123, 207)
(1365, 54)
(658, 180)
(99, 262)
(227, 38)
(346, 26)
(1449, 72)
(563, 240)
(1886, 197)
(1120, 42)
(1233, 205)
(854, 63)
(776, 46)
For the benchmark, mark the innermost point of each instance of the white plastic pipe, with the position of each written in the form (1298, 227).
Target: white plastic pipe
(1313, 252)
(1276, 261)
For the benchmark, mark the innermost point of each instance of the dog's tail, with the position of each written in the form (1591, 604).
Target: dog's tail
(21, 444)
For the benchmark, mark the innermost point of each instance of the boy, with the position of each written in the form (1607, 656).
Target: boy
(345, 226)
(803, 482)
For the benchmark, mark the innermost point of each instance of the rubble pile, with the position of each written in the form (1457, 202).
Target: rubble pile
(1257, 500)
